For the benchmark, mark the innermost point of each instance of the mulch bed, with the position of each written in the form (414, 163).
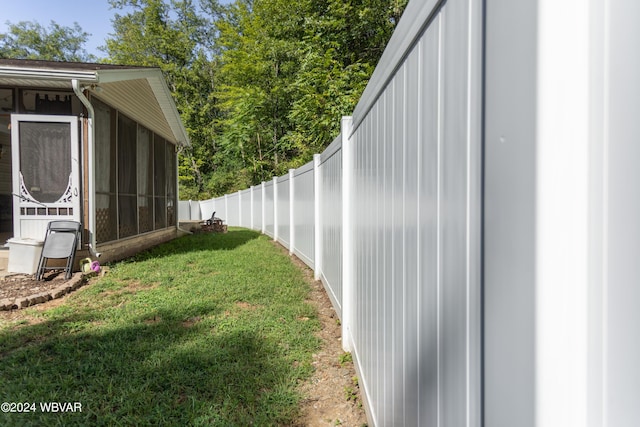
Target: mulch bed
(23, 290)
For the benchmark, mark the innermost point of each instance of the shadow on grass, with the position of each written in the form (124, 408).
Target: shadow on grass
(233, 239)
(157, 360)
(153, 370)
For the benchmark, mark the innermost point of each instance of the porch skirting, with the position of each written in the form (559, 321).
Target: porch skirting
(120, 249)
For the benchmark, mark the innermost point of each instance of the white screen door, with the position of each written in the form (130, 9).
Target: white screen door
(45, 172)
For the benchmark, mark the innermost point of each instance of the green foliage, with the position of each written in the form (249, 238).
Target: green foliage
(288, 71)
(343, 42)
(261, 85)
(172, 35)
(30, 40)
(352, 393)
(345, 358)
(260, 46)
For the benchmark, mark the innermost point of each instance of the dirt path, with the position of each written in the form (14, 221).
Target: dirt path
(332, 394)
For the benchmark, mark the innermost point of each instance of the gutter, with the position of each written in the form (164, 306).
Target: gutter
(48, 74)
(92, 173)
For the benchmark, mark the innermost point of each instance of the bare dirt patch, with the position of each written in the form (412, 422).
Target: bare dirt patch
(246, 306)
(332, 393)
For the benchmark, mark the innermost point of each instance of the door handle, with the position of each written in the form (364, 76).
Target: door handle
(75, 191)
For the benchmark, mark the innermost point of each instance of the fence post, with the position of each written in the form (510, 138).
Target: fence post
(317, 209)
(275, 208)
(292, 228)
(348, 285)
(263, 228)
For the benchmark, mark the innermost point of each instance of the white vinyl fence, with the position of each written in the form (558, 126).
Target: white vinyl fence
(475, 222)
(388, 216)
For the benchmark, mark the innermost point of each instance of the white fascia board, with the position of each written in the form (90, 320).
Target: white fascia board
(168, 106)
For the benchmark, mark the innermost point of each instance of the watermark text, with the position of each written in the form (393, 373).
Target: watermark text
(53, 407)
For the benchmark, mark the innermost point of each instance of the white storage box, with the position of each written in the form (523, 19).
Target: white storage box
(24, 255)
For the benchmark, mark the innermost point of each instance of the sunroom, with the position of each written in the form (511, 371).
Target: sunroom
(92, 143)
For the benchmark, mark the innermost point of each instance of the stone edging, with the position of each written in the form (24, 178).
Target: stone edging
(74, 283)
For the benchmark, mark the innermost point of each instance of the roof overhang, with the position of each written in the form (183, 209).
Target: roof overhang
(139, 92)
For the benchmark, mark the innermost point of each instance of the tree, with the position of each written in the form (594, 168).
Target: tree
(260, 84)
(171, 35)
(30, 40)
(343, 43)
(289, 69)
(260, 45)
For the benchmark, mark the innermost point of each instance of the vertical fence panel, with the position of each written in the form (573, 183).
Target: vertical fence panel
(317, 209)
(233, 209)
(331, 222)
(184, 209)
(383, 407)
(455, 267)
(283, 211)
(206, 209)
(195, 210)
(411, 310)
(256, 214)
(245, 212)
(303, 219)
(428, 226)
(269, 209)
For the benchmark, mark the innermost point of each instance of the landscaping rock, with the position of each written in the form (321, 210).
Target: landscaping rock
(21, 291)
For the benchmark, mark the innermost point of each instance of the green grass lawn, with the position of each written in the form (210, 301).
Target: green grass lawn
(209, 329)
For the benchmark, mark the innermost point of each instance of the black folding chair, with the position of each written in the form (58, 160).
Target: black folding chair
(60, 242)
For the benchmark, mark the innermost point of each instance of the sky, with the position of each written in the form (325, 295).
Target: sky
(94, 16)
